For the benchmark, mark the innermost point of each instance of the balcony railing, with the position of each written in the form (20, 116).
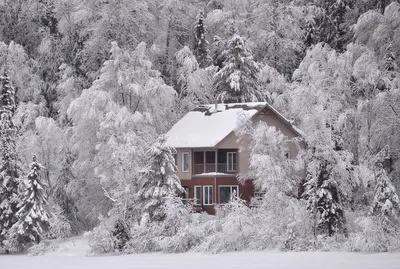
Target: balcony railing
(210, 168)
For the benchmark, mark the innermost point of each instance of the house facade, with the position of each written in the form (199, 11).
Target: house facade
(209, 158)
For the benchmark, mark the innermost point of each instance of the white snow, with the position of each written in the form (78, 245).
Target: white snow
(72, 254)
(213, 174)
(207, 128)
(207, 125)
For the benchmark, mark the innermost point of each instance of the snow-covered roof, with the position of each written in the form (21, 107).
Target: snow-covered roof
(207, 125)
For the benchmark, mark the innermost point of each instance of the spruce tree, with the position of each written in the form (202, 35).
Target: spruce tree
(309, 38)
(201, 51)
(33, 216)
(9, 178)
(237, 79)
(386, 202)
(390, 59)
(329, 183)
(158, 181)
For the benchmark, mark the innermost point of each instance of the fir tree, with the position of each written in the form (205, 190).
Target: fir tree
(309, 39)
(33, 215)
(237, 80)
(338, 19)
(390, 59)
(329, 183)
(323, 200)
(200, 49)
(330, 24)
(386, 202)
(9, 178)
(158, 181)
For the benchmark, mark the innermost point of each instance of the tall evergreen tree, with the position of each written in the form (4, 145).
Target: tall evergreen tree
(329, 183)
(309, 38)
(386, 202)
(158, 181)
(237, 79)
(330, 23)
(9, 178)
(33, 215)
(200, 49)
(390, 59)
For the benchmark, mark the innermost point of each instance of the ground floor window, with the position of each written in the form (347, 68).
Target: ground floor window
(197, 195)
(226, 193)
(207, 195)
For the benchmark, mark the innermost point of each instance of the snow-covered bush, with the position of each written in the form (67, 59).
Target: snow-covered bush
(101, 239)
(233, 227)
(373, 235)
(60, 226)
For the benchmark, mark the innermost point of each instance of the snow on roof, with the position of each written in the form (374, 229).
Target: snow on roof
(206, 125)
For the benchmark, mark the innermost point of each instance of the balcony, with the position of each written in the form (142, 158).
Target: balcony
(221, 161)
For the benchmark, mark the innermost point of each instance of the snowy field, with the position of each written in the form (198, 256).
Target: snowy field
(72, 255)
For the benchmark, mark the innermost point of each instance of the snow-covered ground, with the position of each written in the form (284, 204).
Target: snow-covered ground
(72, 255)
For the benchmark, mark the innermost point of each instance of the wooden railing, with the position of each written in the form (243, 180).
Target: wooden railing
(210, 167)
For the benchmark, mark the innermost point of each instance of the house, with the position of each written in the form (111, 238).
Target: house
(209, 157)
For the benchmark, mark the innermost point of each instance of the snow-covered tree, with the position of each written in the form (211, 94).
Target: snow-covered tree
(390, 59)
(61, 190)
(195, 83)
(158, 181)
(270, 170)
(237, 79)
(386, 202)
(9, 169)
(200, 47)
(329, 183)
(33, 215)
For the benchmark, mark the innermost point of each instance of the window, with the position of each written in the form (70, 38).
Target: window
(208, 193)
(231, 161)
(185, 161)
(226, 193)
(197, 195)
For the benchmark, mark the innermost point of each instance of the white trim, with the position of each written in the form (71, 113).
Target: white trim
(183, 161)
(204, 196)
(219, 191)
(234, 153)
(197, 200)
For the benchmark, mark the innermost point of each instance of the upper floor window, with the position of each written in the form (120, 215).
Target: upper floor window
(231, 161)
(185, 161)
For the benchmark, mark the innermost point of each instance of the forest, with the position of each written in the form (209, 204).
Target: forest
(89, 87)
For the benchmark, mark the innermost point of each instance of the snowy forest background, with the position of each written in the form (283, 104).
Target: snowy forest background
(89, 87)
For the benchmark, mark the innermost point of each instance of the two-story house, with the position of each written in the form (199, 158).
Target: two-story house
(208, 154)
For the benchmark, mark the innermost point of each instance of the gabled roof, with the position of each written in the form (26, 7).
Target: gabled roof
(207, 125)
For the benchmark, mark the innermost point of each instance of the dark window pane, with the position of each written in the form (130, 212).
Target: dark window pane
(210, 157)
(198, 157)
(224, 194)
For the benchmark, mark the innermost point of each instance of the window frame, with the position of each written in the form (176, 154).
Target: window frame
(233, 153)
(183, 162)
(197, 200)
(219, 191)
(204, 196)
